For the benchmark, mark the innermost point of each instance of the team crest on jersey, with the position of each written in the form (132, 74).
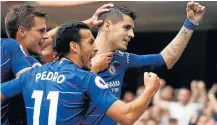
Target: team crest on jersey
(100, 83)
(120, 53)
(112, 69)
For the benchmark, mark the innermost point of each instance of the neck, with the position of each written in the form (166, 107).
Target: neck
(74, 59)
(21, 42)
(103, 43)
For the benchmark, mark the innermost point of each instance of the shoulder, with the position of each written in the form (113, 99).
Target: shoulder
(8, 40)
(33, 61)
(9, 44)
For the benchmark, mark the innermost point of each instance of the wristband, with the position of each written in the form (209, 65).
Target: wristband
(189, 24)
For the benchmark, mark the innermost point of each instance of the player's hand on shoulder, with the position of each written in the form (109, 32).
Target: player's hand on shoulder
(151, 82)
(195, 11)
(101, 62)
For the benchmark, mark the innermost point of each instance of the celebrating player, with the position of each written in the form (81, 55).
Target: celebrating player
(115, 34)
(59, 93)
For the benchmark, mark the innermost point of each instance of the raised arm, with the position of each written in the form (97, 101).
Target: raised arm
(212, 98)
(174, 50)
(195, 93)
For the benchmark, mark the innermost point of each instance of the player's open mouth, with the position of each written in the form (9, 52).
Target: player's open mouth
(92, 55)
(41, 46)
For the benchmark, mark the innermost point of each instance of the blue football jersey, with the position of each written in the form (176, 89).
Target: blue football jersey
(114, 75)
(59, 93)
(13, 59)
(17, 110)
(34, 62)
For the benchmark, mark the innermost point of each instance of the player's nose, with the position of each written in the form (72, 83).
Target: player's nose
(131, 34)
(45, 35)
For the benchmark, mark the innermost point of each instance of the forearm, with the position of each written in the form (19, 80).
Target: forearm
(128, 113)
(137, 107)
(174, 50)
(213, 101)
(52, 33)
(194, 97)
(203, 98)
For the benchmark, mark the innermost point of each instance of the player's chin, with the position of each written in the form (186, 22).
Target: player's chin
(36, 51)
(123, 48)
(89, 66)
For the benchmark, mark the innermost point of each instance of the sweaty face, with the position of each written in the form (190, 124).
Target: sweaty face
(35, 37)
(86, 47)
(121, 33)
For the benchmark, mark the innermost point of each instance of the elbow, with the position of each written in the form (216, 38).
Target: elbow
(169, 61)
(169, 67)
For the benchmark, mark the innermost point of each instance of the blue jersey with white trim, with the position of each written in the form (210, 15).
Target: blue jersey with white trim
(114, 75)
(17, 110)
(13, 59)
(59, 93)
(33, 61)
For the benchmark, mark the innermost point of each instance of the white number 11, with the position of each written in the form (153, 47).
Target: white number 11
(53, 97)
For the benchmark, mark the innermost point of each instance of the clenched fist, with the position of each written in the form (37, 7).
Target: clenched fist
(195, 11)
(151, 82)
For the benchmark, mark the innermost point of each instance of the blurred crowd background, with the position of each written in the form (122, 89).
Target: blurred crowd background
(184, 106)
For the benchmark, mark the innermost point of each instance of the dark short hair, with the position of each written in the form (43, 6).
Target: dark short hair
(115, 14)
(21, 15)
(67, 33)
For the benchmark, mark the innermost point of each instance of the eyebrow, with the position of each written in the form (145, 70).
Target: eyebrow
(40, 29)
(130, 26)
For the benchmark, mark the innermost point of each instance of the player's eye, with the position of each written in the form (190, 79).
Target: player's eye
(127, 27)
(42, 31)
(91, 41)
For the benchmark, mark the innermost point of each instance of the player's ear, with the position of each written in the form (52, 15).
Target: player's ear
(21, 31)
(74, 47)
(107, 25)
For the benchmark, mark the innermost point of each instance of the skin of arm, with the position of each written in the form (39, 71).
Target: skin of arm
(128, 113)
(90, 22)
(174, 50)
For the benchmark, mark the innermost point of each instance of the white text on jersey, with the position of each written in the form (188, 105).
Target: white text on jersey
(53, 76)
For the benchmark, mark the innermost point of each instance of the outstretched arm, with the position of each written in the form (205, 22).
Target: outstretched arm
(128, 113)
(90, 22)
(174, 50)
